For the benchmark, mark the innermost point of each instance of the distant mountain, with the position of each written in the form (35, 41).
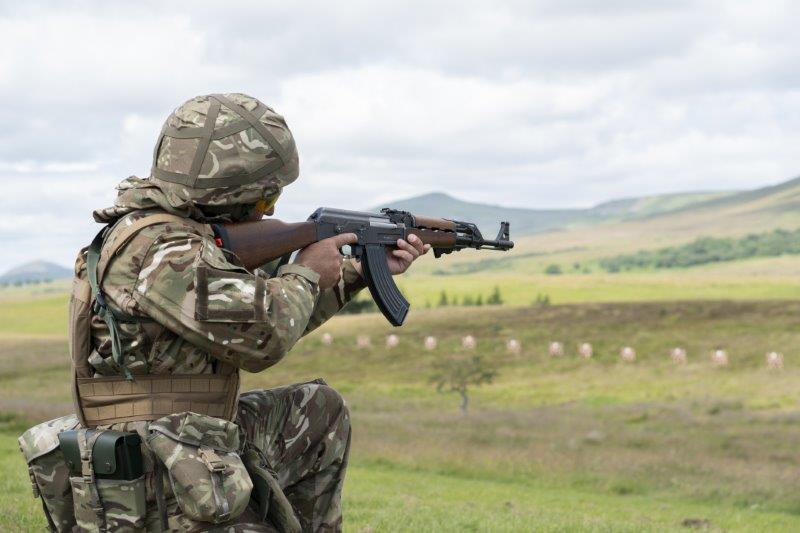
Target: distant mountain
(645, 206)
(780, 199)
(631, 226)
(35, 271)
(527, 221)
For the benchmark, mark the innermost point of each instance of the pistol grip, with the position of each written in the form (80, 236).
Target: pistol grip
(384, 291)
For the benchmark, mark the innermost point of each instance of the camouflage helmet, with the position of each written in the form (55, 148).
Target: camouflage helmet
(223, 150)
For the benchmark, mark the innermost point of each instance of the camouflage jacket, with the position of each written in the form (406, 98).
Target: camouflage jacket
(195, 305)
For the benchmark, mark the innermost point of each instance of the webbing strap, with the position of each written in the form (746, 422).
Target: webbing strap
(257, 125)
(100, 306)
(205, 140)
(158, 480)
(284, 260)
(269, 497)
(97, 260)
(111, 399)
(85, 446)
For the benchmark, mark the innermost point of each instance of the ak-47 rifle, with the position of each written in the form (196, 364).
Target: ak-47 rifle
(257, 243)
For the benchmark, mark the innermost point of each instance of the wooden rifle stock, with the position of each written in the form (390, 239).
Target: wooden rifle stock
(257, 243)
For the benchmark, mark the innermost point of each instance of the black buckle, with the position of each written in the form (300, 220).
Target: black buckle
(99, 303)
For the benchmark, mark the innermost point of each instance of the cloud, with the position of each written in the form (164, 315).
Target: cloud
(526, 103)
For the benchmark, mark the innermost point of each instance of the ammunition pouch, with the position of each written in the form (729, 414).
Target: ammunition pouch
(107, 479)
(115, 454)
(201, 455)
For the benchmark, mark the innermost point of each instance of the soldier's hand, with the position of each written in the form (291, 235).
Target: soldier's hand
(323, 257)
(400, 258)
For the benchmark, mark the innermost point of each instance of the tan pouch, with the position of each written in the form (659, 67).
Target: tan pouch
(208, 478)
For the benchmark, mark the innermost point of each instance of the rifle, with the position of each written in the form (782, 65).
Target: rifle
(259, 242)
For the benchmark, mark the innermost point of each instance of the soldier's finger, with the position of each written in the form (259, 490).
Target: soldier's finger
(426, 248)
(416, 242)
(345, 238)
(405, 245)
(403, 256)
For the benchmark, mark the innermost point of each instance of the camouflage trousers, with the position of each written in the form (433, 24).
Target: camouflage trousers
(302, 430)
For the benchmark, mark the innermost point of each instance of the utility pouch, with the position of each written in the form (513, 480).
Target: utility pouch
(200, 452)
(48, 471)
(115, 454)
(108, 489)
(119, 504)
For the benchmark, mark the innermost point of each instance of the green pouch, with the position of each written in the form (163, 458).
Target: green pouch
(200, 452)
(123, 506)
(115, 454)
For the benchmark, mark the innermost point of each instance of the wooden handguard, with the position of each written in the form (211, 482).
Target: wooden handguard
(434, 223)
(437, 239)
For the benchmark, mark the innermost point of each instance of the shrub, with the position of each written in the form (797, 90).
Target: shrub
(360, 304)
(443, 301)
(705, 250)
(495, 298)
(553, 270)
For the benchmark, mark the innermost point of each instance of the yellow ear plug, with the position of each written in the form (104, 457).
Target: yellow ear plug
(267, 203)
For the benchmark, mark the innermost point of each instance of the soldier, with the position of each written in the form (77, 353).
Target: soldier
(162, 319)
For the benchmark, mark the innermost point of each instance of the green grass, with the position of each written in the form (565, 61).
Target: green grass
(381, 496)
(45, 315)
(522, 289)
(554, 444)
(385, 497)
(38, 316)
(19, 511)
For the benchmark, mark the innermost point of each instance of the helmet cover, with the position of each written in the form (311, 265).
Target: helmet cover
(223, 150)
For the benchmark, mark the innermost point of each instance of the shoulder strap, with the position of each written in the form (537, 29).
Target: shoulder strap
(97, 259)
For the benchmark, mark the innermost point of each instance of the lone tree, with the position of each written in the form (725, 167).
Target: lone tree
(495, 298)
(458, 375)
(443, 299)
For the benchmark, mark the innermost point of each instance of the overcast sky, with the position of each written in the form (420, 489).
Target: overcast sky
(524, 103)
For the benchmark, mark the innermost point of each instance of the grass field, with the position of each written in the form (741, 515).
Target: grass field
(776, 278)
(522, 289)
(553, 445)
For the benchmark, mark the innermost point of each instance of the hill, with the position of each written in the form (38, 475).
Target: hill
(575, 248)
(527, 221)
(34, 272)
(644, 206)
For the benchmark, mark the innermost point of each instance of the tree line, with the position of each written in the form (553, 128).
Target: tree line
(363, 303)
(707, 250)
